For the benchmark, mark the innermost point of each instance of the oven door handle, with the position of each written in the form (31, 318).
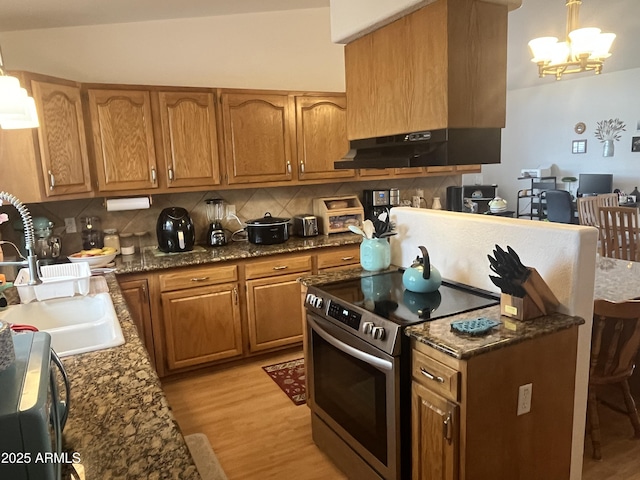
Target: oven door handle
(379, 363)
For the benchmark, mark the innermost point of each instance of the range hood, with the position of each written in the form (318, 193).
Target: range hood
(447, 146)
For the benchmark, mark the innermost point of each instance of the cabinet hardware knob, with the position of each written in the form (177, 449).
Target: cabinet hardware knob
(171, 174)
(153, 174)
(430, 376)
(52, 180)
(289, 168)
(344, 259)
(301, 167)
(235, 295)
(446, 426)
(281, 267)
(199, 279)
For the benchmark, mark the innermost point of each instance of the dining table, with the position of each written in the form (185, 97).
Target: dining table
(619, 280)
(616, 280)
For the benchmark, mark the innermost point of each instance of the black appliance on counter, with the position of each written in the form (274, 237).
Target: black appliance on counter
(359, 367)
(268, 230)
(375, 202)
(175, 230)
(458, 197)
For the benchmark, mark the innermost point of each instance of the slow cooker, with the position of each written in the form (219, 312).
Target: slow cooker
(268, 230)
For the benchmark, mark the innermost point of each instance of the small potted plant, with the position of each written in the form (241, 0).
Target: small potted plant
(608, 131)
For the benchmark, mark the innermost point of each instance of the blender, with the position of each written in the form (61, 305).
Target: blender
(215, 213)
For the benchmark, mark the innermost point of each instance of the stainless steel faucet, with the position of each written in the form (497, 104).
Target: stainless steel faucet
(31, 262)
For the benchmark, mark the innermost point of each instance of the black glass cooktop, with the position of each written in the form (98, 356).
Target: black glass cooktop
(384, 295)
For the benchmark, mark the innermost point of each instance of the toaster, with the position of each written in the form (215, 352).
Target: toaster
(305, 225)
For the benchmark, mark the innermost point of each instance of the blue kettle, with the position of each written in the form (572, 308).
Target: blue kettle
(421, 276)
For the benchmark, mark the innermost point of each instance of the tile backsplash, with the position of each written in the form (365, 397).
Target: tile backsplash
(250, 203)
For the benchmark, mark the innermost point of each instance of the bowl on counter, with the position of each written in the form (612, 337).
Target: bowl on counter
(94, 260)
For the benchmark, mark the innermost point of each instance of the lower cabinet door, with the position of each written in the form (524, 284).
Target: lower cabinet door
(274, 312)
(434, 431)
(136, 294)
(201, 325)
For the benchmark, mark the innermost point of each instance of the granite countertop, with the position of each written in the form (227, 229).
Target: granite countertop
(438, 334)
(119, 419)
(152, 259)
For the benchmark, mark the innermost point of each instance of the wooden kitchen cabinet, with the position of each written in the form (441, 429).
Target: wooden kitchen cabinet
(434, 441)
(442, 66)
(123, 144)
(341, 258)
(464, 412)
(321, 133)
(136, 294)
(189, 139)
(258, 137)
(200, 316)
(50, 162)
(274, 311)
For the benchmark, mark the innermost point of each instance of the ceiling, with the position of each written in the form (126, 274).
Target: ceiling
(535, 18)
(31, 14)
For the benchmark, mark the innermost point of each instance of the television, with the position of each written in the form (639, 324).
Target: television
(595, 183)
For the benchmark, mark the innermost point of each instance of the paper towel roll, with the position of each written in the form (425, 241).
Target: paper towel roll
(7, 354)
(134, 203)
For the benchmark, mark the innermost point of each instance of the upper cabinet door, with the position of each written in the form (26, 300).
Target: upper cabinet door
(257, 137)
(123, 139)
(189, 139)
(321, 129)
(63, 146)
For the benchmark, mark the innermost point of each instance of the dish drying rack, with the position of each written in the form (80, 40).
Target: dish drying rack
(64, 280)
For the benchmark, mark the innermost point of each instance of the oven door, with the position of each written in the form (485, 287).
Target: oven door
(354, 388)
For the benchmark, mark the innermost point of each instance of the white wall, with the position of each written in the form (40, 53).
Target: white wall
(539, 131)
(288, 50)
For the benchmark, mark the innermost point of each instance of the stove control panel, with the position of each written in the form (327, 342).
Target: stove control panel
(369, 328)
(314, 301)
(344, 315)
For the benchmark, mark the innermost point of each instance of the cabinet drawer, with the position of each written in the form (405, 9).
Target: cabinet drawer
(197, 277)
(339, 258)
(435, 375)
(278, 266)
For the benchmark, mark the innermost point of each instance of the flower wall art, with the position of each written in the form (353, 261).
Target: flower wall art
(609, 131)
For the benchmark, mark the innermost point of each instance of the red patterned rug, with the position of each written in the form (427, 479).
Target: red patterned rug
(290, 378)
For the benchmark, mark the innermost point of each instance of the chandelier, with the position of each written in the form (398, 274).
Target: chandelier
(17, 108)
(584, 48)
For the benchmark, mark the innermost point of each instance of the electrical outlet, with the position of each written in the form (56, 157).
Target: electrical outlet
(70, 225)
(524, 398)
(231, 210)
(420, 192)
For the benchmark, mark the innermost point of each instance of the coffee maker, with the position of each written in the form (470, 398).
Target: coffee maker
(376, 202)
(215, 213)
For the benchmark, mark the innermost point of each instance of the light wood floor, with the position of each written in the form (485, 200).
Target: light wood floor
(258, 433)
(253, 427)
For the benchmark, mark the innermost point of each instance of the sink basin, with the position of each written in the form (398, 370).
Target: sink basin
(76, 324)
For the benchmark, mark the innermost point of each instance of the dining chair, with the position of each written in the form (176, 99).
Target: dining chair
(560, 207)
(588, 211)
(618, 228)
(588, 207)
(615, 342)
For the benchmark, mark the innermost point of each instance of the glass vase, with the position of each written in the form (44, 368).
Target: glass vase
(607, 150)
(375, 254)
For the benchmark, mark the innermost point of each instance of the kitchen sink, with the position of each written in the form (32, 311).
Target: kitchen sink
(77, 324)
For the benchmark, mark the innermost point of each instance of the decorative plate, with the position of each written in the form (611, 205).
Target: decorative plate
(580, 128)
(478, 326)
